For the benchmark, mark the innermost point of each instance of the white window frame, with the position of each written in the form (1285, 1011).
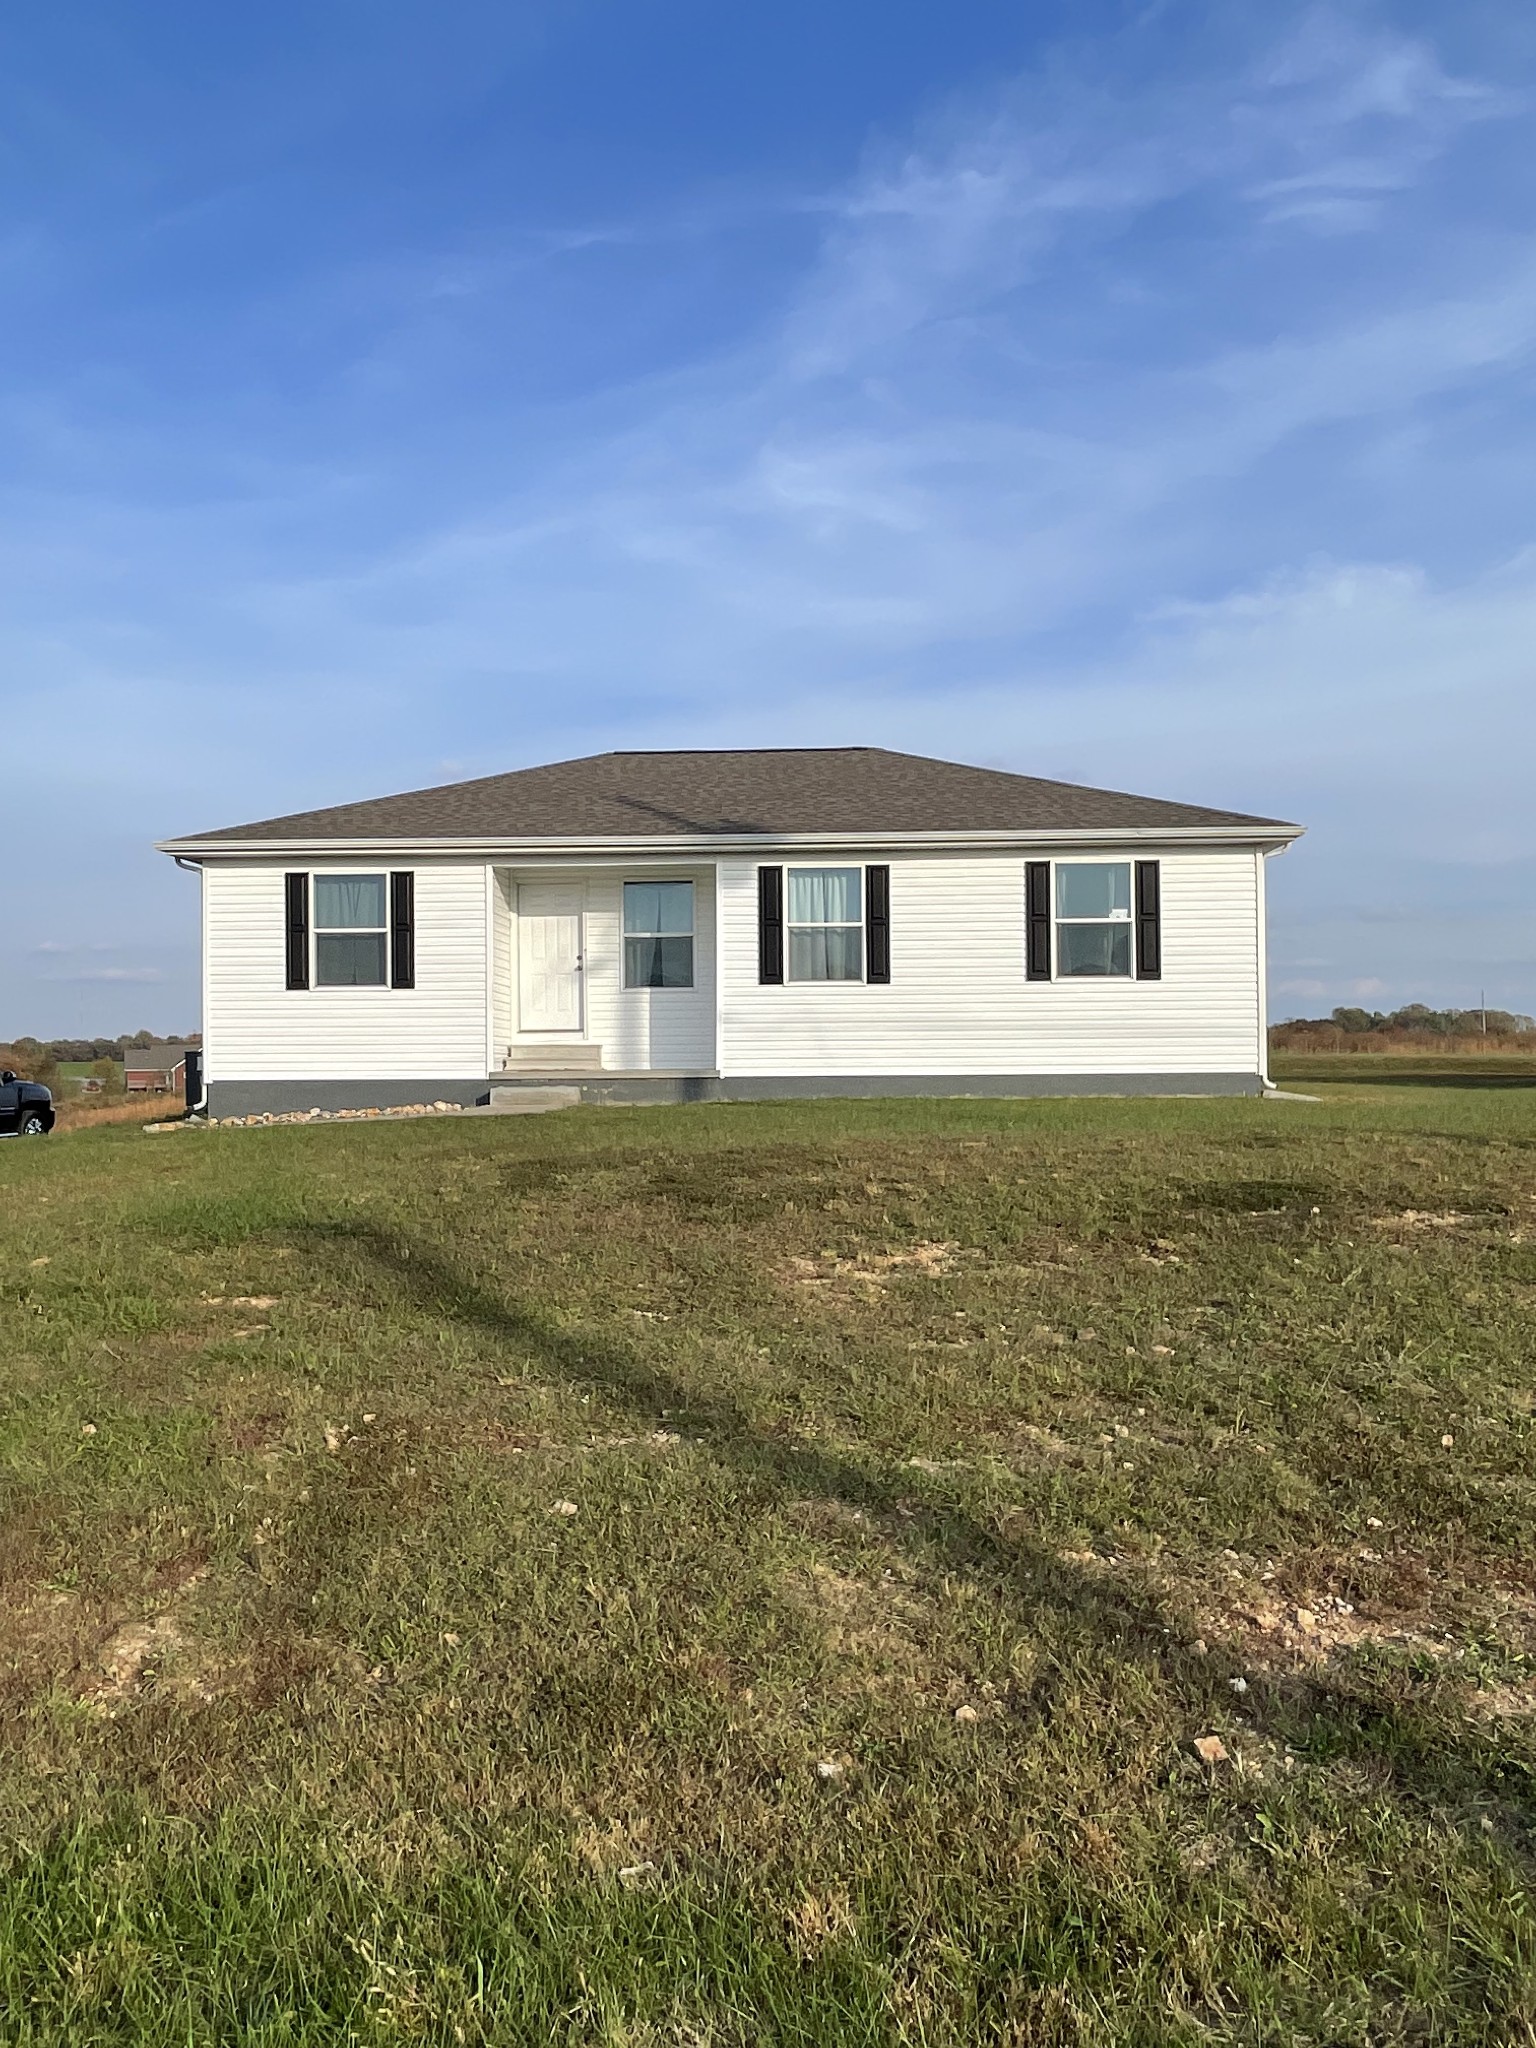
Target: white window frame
(1125, 919)
(791, 926)
(652, 988)
(317, 931)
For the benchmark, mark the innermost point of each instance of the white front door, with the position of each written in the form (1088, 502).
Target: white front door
(549, 956)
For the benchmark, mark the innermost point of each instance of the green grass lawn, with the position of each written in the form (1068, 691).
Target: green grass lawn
(758, 1574)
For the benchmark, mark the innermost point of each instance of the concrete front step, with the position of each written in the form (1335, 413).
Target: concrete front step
(541, 1077)
(529, 1101)
(554, 1059)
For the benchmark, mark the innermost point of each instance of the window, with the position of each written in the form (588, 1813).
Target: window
(658, 935)
(351, 933)
(1093, 917)
(826, 924)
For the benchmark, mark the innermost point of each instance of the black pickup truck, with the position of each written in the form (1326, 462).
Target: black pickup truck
(26, 1108)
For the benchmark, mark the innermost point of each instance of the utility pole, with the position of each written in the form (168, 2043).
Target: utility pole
(1482, 1003)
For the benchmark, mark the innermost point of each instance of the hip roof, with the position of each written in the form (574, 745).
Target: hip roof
(739, 793)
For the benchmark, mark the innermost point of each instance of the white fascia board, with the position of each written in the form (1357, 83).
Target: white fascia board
(680, 848)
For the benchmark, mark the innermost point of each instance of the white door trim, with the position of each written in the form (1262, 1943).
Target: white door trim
(551, 966)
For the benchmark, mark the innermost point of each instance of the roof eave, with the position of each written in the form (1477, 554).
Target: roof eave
(1261, 832)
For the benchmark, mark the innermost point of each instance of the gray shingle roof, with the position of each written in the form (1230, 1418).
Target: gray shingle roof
(159, 1059)
(832, 790)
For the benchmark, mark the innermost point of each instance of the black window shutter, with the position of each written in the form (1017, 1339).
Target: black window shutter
(770, 924)
(1037, 920)
(297, 891)
(1149, 921)
(402, 931)
(877, 924)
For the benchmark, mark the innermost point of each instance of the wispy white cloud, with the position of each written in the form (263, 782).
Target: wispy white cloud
(111, 974)
(1360, 112)
(1362, 989)
(1331, 121)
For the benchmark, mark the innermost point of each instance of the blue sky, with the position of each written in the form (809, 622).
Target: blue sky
(1137, 394)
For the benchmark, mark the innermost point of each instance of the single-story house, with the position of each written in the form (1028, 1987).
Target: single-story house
(647, 927)
(154, 1069)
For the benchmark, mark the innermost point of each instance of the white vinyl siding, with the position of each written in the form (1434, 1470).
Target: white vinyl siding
(958, 1001)
(258, 1029)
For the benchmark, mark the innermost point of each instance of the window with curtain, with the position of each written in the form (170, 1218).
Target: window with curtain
(658, 935)
(825, 918)
(351, 932)
(1093, 917)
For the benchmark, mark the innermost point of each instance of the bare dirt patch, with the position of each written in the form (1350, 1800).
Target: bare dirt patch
(1292, 1633)
(137, 1649)
(1423, 1219)
(1503, 1702)
(926, 1261)
(1436, 1219)
(872, 1626)
(1271, 1623)
(129, 1652)
(261, 1432)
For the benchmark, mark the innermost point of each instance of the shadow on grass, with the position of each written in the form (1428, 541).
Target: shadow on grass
(1331, 1715)
(1452, 1081)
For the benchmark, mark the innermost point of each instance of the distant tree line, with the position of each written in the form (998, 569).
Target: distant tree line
(39, 1059)
(1415, 1025)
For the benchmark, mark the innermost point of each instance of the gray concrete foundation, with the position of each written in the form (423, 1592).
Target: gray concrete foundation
(641, 1088)
(772, 1088)
(256, 1098)
(273, 1098)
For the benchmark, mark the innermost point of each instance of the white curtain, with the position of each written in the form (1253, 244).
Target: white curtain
(349, 902)
(825, 896)
(652, 907)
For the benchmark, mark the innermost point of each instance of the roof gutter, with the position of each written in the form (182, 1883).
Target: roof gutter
(654, 846)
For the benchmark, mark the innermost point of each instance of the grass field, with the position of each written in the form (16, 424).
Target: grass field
(1397, 1069)
(758, 1575)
